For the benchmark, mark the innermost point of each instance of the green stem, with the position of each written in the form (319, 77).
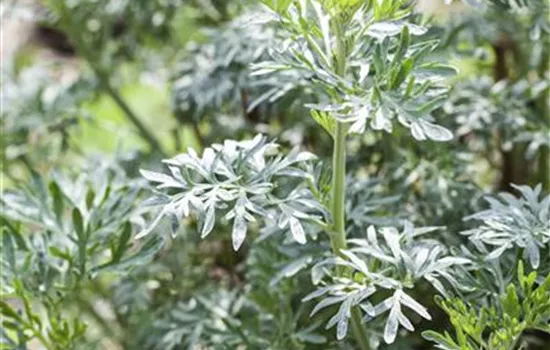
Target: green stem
(514, 343)
(73, 32)
(359, 330)
(338, 237)
(130, 115)
(339, 189)
(40, 337)
(27, 163)
(37, 333)
(199, 136)
(313, 44)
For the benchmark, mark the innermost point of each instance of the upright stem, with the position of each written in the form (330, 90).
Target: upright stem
(338, 236)
(339, 188)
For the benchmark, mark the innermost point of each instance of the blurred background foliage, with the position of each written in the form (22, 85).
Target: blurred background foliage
(93, 90)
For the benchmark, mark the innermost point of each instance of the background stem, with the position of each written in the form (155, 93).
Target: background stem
(130, 115)
(544, 157)
(89, 55)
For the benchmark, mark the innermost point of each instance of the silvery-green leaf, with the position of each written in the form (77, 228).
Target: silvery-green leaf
(423, 230)
(304, 157)
(435, 132)
(381, 121)
(392, 324)
(325, 107)
(342, 328)
(175, 226)
(416, 29)
(364, 70)
(417, 131)
(297, 230)
(406, 300)
(341, 319)
(307, 336)
(392, 239)
(257, 18)
(156, 201)
(368, 308)
(443, 342)
(359, 119)
(317, 293)
(151, 227)
(317, 273)
(384, 306)
(533, 254)
(358, 127)
(208, 223)
(239, 232)
(360, 265)
(452, 260)
(283, 220)
(327, 302)
(380, 30)
(265, 69)
(436, 284)
(371, 234)
(224, 195)
(164, 180)
(495, 254)
(325, 120)
(232, 171)
(433, 72)
(291, 269)
(404, 321)
(294, 172)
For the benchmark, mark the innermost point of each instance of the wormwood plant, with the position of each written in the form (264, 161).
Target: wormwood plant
(501, 299)
(298, 252)
(91, 26)
(51, 110)
(368, 66)
(58, 232)
(509, 41)
(500, 323)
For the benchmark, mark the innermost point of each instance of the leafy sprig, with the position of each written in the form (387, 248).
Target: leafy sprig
(240, 180)
(57, 234)
(519, 224)
(498, 325)
(372, 268)
(389, 76)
